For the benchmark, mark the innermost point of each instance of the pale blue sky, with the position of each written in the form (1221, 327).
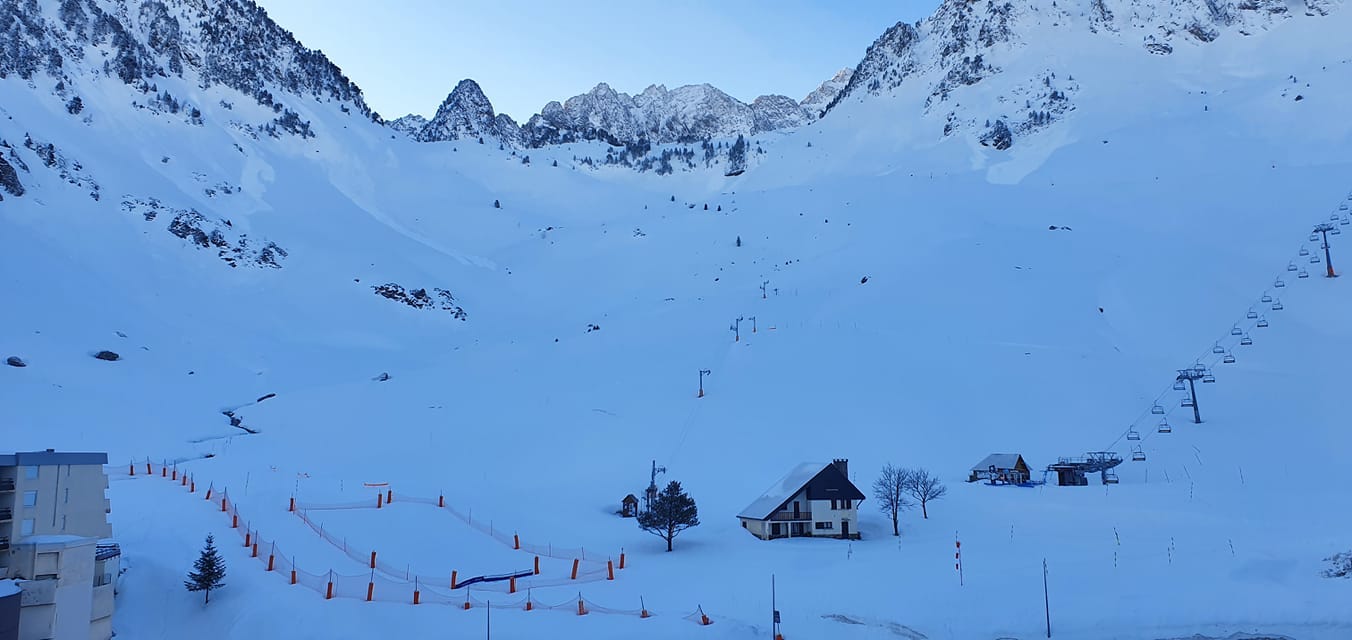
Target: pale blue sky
(408, 54)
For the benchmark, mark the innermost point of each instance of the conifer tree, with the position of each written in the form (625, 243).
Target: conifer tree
(207, 572)
(672, 512)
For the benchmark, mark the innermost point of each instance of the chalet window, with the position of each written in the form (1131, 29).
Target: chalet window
(26, 527)
(824, 525)
(30, 498)
(847, 504)
(833, 504)
(744, 524)
(30, 473)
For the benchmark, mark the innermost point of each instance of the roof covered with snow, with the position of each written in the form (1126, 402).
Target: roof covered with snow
(50, 457)
(782, 490)
(999, 461)
(8, 588)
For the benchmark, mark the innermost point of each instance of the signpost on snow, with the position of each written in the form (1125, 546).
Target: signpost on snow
(774, 611)
(1046, 602)
(702, 373)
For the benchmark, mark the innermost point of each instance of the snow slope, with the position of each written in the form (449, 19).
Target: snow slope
(1180, 186)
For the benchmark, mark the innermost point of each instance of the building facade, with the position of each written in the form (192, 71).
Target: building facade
(811, 500)
(54, 543)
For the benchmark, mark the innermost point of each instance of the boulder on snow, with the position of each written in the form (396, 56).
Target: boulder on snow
(110, 356)
(15, 361)
(998, 136)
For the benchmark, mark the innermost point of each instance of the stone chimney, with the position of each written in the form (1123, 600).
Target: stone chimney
(843, 465)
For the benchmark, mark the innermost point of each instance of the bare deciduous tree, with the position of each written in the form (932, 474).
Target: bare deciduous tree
(924, 487)
(890, 492)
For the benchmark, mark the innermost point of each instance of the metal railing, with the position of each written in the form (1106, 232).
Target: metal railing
(6, 484)
(6, 515)
(789, 516)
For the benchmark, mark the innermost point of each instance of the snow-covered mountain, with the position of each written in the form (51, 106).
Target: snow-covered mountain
(466, 113)
(315, 305)
(965, 44)
(815, 103)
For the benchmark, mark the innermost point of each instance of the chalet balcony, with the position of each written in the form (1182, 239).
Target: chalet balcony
(789, 516)
(4, 544)
(6, 515)
(6, 484)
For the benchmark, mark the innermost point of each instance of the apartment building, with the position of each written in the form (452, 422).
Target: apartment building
(55, 543)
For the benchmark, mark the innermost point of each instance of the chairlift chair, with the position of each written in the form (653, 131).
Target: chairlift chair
(1335, 231)
(1343, 221)
(1179, 386)
(1291, 266)
(1315, 260)
(1251, 315)
(1279, 284)
(1266, 298)
(1305, 252)
(1208, 378)
(1245, 341)
(1137, 455)
(1228, 359)
(1303, 274)
(1186, 404)
(1217, 349)
(1132, 434)
(1262, 323)
(1342, 207)
(1164, 427)
(1199, 368)
(1314, 237)
(1236, 331)
(1277, 306)
(1110, 477)
(1157, 410)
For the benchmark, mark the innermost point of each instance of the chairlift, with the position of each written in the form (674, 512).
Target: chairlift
(1110, 477)
(1305, 252)
(1251, 315)
(1303, 274)
(1137, 455)
(1335, 231)
(1216, 348)
(1236, 331)
(1179, 386)
(1228, 359)
(1164, 427)
(1315, 260)
(1314, 237)
(1342, 207)
(1290, 266)
(1279, 284)
(1266, 298)
(1277, 306)
(1262, 323)
(1343, 221)
(1186, 404)
(1208, 378)
(1199, 367)
(1157, 410)
(1132, 434)
(1245, 341)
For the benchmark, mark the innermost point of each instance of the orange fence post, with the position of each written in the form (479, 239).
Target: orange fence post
(175, 474)
(271, 558)
(516, 541)
(453, 579)
(373, 559)
(581, 608)
(610, 570)
(621, 559)
(292, 507)
(248, 535)
(208, 493)
(574, 569)
(370, 591)
(147, 468)
(537, 565)
(131, 468)
(704, 619)
(380, 500)
(223, 504)
(416, 596)
(389, 496)
(441, 501)
(255, 549)
(328, 595)
(511, 585)
(293, 576)
(234, 521)
(164, 472)
(192, 486)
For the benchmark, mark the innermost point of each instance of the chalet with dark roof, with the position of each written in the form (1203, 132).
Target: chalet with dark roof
(813, 499)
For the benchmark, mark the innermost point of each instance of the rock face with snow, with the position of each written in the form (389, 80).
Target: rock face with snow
(466, 113)
(232, 43)
(685, 114)
(815, 103)
(408, 125)
(966, 43)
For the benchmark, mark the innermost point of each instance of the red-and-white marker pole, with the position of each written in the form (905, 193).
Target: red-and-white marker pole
(957, 555)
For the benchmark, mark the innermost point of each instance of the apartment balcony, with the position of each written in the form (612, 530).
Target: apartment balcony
(4, 543)
(103, 602)
(6, 514)
(6, 485)
(789, 516)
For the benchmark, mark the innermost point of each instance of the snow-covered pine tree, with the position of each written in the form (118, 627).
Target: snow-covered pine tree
(208, 571)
